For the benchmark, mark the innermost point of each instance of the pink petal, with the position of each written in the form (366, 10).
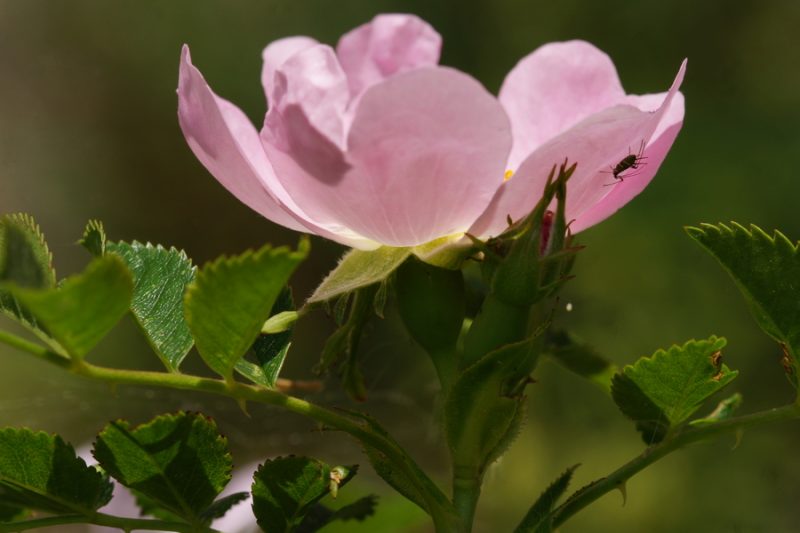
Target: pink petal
(655, 151)
(427, 150)
(552, 89)
(276, 54)
(388, 45)
(227, 144)
(596, 144)
(312, 81)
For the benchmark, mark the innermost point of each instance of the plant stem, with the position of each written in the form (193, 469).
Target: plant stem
(466, 491)
(437, 503)
(690, 434)
(101, 519)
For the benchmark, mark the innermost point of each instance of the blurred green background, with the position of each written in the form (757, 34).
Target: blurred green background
(88, 129)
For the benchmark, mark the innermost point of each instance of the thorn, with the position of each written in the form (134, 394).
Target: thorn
(242, 403)
(739, 434)
(623, 489)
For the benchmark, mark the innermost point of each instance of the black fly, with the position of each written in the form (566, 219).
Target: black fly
(630, 161)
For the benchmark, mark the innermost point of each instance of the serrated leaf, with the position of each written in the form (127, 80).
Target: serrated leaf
(94, 238)
(231, 298)
(270, 349)
(579, 358)
(482, 410)
(359, 269)
(84, 308)
(220, 508)
(160, 277)
(319, 516)
(41, 471)
(25, 261)
(767, 271)
(539, 518)
(285, 489)
(664, 390)
(178, 462)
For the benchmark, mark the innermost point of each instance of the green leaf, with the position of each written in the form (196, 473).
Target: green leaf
(9, 513)
(484, 408)
(231, 298)
(286, 488)
(663, 391)
(94, 238)
(358, 269)
(84, 308)
(580, 358)
(319, 516)
(539, 518)
(41, 471)
(160, 278)
(25, 261)
(767, 271)
(723, 411)
(220, 508)
(270, 349)
(178, 462)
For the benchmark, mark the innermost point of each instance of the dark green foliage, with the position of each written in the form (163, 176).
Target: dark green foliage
(160, 278)
(178, 462)
(270, 349)
(579, 358)
(662, 391)
(285, 489)
(25, 261)
(230, 299)
(767, 271)
(84, 308)
(41, 471)
(539, 518)
(94, 238)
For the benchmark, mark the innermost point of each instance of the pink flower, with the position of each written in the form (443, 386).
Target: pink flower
(374, 143)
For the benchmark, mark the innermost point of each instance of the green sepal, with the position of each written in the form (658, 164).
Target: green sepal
(178, 462)
(723, 411)
(286, 488)
(766, 269)
(539, 518)
(94, 238)
(160, 278)
(359, 269)
(341, 348)
(25, 261)
(84, 308)
(41, 471)
(662, 391)
(230, 299)
(431, 302)
(270, 349)
(579, 357)
(483, 409)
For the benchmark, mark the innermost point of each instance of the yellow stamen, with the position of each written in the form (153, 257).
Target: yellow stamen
(508, 174)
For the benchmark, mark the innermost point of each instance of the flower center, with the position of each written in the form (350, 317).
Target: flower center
(508, 174)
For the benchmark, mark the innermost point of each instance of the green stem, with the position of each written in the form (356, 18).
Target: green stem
(438, 505)
(690, 434)
(466, 491)
(100, 519)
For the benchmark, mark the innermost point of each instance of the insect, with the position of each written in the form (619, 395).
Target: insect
(630, 161)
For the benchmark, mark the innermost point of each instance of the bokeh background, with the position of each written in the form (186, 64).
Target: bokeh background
(88, 129)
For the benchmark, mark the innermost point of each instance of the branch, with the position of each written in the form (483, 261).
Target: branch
(438, 504)
(619, 477)
(100, 519)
